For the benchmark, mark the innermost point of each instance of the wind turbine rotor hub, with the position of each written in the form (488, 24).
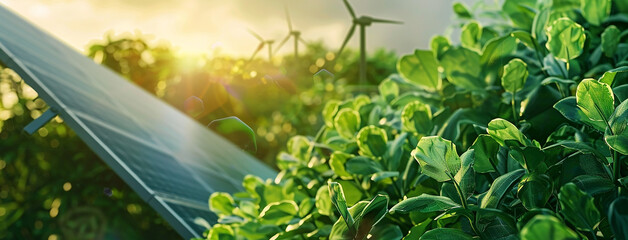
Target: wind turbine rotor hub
(363, 20)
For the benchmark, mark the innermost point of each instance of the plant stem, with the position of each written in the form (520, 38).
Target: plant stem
(463, 199)
(616, 170)
(562, 93)
(538, 57)
(313, 142)
(394, 183)
(366, 192)
(594, 235)
(562, 71)
(515, 113)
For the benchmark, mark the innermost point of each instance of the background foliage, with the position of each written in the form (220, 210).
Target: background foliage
(51, 181)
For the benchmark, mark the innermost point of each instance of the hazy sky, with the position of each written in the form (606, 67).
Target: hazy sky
(197, 25)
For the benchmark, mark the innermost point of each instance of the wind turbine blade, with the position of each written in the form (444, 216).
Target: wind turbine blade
(347, 38)
(303, 41)
(259, 48)
(282, 43)
(288, 18)
(379, 20)
(256, 35)
(350, 9)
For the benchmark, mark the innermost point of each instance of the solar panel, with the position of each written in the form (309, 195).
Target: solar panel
(171, 161)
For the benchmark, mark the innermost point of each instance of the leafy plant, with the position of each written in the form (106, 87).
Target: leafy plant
(537, 110)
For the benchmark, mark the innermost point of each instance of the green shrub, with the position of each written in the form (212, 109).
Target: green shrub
(536, 109)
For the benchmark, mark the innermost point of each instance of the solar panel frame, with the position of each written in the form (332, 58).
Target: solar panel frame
(177, 210)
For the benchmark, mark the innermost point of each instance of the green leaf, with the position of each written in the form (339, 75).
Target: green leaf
(439, 44)
(418, 230)
(462, 68)
(236, 131)
(221, 203)
(461, 10)
(618, 217)
(531, 158)
(547, 227)
(420, 68)
(341, 230)
(446, 234)
(596, 11)
(329, 111)
(596, 100)
(497, 49)
(471, 35)
(593, 184)
(521, 13)
(337, 163)
(465, 177)
(220, 232)
(395, 152)
(568, 107)
(388, 89)
(372, 141)
(347, 123)
(610, 76)
(525, 38)
(323, 201)
(565, 39)
(373, 212)
(438, 158)
(424, 203)
(279, 213)
(360, 101)
(610, 39)
(556, 80)
(386, 231)
(502, 131)
(486, 149)
(377, 177)
(534, 190)
(338, 199)
(617, 135)
(362, 165)
(298, 146)
(538, 25)
(500, 187)
(416, 117)
(515, 75)
(578, 207)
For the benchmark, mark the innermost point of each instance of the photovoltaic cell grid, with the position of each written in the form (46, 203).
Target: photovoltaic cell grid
(170, 160)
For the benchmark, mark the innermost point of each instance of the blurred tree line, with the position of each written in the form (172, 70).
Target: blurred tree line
(52, 186)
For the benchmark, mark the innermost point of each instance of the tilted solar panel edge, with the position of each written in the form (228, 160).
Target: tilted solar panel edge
(98, 146)
(94, 143)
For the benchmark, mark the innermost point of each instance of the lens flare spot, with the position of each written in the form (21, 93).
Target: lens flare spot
(67, 186)
(54, 212)
(330, 56)
(193, 106)
(320, 62)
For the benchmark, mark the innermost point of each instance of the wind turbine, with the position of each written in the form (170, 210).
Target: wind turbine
(294, 34)
(362, 22)
(261, 45)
